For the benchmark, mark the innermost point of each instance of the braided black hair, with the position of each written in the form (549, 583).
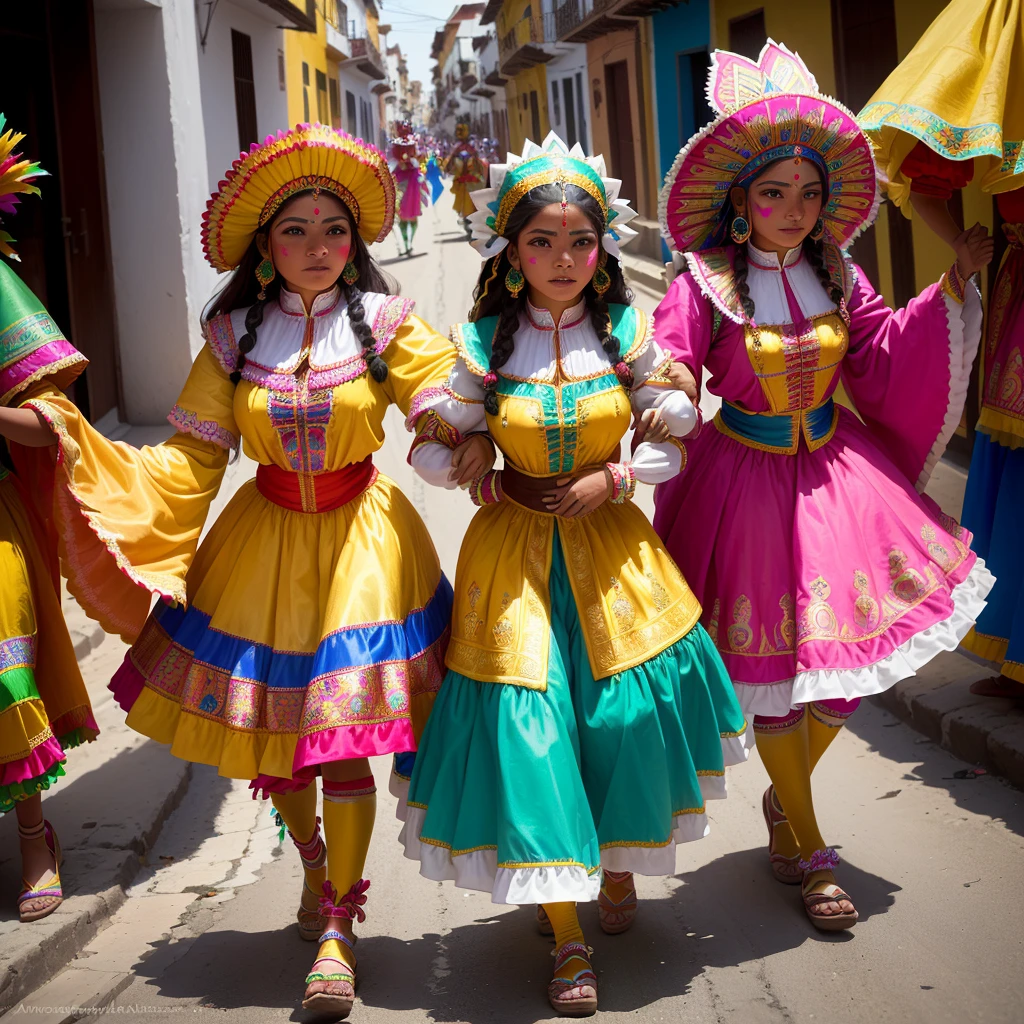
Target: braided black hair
(242, 292)
(491, 298)
(815, 253)
(740, 275)
(364, 332)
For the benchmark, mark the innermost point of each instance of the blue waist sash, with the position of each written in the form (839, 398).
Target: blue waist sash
(779, 432)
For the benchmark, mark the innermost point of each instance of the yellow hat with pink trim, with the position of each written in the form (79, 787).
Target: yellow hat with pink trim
(310, 157)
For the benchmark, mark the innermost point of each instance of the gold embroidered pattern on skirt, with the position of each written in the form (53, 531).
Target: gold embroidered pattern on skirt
(740, 634)
(472, 620)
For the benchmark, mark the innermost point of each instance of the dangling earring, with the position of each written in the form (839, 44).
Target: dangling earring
(265, 272)
(514, 282)
(740, 229)
(819, 230)
(602, 279)
(350, 274)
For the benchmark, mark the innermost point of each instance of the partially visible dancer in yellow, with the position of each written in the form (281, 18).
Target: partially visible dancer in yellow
(468, 171)
(311, 631)
(953, 110)
(44, 706)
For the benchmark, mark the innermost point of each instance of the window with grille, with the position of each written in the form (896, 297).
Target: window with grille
(322, 108)
(245, 88)
(335, 92)
(305, 92)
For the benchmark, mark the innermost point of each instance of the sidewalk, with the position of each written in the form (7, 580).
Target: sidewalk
(108, 810)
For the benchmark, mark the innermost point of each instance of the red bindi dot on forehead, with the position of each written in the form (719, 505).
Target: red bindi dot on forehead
(796, 177)
(316, 211)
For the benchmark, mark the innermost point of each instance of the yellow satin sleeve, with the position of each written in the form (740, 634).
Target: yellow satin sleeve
(419, 359)
(129, 519)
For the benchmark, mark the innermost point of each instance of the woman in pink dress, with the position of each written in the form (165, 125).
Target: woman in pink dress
(410, 183)
(824, 574)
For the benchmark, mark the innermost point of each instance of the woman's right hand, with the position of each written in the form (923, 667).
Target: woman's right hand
(472, 459)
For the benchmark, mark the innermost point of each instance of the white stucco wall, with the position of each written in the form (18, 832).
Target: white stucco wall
(157, 186)
(216, 72)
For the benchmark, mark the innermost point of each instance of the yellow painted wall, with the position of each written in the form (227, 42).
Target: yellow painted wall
(311, 48)
(512, 11)
(520, 119)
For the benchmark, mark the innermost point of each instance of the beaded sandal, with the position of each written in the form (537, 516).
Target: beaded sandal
(49, 890)
(825, 860)
(331, 993)
(785, 869)
(313, 854)
(584, 982)
(616, 918)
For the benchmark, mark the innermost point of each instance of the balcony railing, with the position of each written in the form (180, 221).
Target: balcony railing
(469, 74)
(336, 29)
(580, 20)
(367, 59)
(523, 45)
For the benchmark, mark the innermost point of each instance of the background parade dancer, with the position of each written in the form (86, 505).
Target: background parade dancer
(824, 572)
(468, 171)
(412, 188)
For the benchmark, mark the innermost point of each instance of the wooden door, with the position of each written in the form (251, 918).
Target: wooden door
(620, 127)
(83, 201)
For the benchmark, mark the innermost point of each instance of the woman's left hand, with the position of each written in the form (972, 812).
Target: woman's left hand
(472, 459)
(651, 427)
(974, 249)
(582, 494)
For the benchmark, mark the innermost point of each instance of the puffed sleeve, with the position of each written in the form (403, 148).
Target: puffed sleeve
(419, 360)
(129, 519)
(908, 371)
(933, 175)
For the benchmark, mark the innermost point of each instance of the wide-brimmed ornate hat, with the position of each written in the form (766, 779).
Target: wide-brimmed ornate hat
(549, 164)
(767, 111)
(308, 157)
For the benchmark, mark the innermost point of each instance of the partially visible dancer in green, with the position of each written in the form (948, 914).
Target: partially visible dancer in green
(44, 706)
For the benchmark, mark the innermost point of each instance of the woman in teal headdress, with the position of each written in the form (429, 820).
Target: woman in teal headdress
(585, 717)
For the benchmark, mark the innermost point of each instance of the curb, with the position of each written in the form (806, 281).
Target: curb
(103, 874)
(984, 731)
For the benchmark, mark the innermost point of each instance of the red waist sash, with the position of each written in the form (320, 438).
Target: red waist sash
(315, 492)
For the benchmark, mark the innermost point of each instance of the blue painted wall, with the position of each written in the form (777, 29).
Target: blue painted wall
(678, 31)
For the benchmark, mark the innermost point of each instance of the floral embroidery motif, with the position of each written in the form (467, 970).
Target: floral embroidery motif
(17, 652)
(908, 585)
(503, 630)
(818, 619)
(622, 607)
(187, 422)
(659, 595)
(740, 635)
(472, 621)
(301, 420)
(221, 337)
(939, 552)
(866, 612)
(786, 631)
(712, 627)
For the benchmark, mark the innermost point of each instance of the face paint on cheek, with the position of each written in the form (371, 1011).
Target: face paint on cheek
(592, 257)
(283, 251)
(765, 211)
(533, 261)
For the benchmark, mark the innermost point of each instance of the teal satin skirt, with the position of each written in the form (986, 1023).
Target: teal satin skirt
(527, 794)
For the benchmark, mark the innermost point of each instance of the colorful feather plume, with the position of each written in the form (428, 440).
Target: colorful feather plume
(16, 176)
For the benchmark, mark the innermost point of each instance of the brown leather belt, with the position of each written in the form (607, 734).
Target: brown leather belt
(528, 491)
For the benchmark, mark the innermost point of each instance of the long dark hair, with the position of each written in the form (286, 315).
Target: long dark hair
(492, 298)
(5, 456)
(813, 249)
(242, 291)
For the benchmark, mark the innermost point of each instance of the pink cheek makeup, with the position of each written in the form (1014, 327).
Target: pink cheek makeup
(533, 260)
(765, 211)
(592, 257)
(284, 252)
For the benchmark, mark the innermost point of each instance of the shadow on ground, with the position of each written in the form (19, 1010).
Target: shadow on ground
(894, 740)
(724, 914)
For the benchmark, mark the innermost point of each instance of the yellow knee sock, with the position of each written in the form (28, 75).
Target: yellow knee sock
(567, 929)
(786, 758)
(298, 811)
(349, 811)
(823, 726)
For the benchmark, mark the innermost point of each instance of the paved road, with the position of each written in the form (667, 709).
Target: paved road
(934, 864)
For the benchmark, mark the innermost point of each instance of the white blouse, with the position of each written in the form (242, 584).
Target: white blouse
(578, 356)
(764, 278)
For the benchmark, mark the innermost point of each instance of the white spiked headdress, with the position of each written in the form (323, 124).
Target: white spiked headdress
(551, 163)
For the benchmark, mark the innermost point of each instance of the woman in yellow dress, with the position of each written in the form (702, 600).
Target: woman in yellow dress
(309, 633)
(586, 716)
(44, 706)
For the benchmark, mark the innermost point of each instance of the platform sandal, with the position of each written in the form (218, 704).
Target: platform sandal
(331, 993)
(613, 917)
(829, 892)
(313, 855)
(584, 981)
(49, 891)
(785, 869)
